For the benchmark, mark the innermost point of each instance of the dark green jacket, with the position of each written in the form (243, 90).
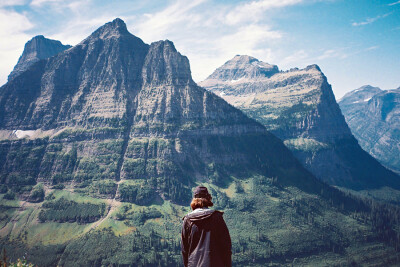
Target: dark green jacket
(205, 240)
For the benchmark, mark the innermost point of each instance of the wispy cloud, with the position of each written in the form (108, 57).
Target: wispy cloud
(395, 3)
(332, 53)
(369, 20)
(209, 37)
(6, 3)
(44, 2)
(297, 56)
(254, 10)
(13, 29)
(372, 48)
(81, 15)
(159, 24)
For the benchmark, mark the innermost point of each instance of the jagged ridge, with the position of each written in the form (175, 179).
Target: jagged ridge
(300, 108)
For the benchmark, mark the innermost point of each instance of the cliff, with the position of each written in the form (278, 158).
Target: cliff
(300, 108)
(36, 49)
(373, 116)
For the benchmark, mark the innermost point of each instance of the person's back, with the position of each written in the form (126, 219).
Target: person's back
(205, 238)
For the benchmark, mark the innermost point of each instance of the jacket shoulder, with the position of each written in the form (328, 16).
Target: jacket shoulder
(219, 213)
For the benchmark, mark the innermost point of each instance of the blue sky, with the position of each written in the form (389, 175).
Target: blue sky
(355, 42)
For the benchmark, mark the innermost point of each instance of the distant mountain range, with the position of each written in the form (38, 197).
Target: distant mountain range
(102, 143)
(299, 107)
(373, 116)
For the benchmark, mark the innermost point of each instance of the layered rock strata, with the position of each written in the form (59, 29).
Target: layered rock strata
(300, 108)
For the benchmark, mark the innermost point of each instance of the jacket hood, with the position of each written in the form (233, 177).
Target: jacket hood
(200, 215)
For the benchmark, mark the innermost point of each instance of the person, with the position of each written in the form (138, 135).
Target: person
(205, 240)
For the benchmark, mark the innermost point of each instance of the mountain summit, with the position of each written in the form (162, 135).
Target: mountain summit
(243, 67)
(300, 108)
(36, 49)
(374, 118)
(114, 88)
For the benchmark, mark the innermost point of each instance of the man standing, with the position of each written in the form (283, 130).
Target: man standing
(205, 238)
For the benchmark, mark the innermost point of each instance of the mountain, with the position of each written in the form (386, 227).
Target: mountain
(300, 108)
(36, 49)
(142, 100)
(373, 116)
(102, 144)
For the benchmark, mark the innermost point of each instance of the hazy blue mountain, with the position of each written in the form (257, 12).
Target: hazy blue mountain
(373, 116)
(300, 108)
(102, 144)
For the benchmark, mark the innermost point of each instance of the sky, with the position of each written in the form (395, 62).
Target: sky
(355, 42)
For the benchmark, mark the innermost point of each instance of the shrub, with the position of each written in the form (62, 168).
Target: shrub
(37, 194)
(10, 195)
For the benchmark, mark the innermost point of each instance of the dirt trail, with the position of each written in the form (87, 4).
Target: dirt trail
(113, 204)
(14, 219)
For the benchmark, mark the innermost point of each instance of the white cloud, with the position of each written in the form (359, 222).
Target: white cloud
(13, 35)
(254, 11)
(39, 3)
(296, 57)
(369, 20)
(160, 24)
(203, 35)
(332, 53)
(246, 39)
(77, 30)
(4, 3)
(372, 48)
(80, 15)
(395, 3)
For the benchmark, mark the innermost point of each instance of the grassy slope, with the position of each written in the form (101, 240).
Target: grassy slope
(267, 224)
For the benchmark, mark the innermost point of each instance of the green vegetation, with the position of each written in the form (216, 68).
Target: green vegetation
(10, 195)
(4, 261)
(83, 133)
(269, 224)
(37, 193)
(63, 210)
(137, 218)
(141, 194)
(105, 188)
(276, 213)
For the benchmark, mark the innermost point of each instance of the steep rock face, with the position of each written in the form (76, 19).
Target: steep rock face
(88, 84)
(373, 116)
(113, 107)
(299, 107)
(36, 49)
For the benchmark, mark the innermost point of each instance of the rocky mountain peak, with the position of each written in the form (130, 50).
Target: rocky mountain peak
(300, 108)
(374, 118)
(39, 47)
(313, 66)
(360, 95)
(164, 64)
(115, 28)
(243, 66)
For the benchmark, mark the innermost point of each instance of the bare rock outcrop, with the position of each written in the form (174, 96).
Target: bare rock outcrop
(300, 108)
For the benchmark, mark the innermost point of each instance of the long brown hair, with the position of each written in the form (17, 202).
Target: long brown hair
(201, 203)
